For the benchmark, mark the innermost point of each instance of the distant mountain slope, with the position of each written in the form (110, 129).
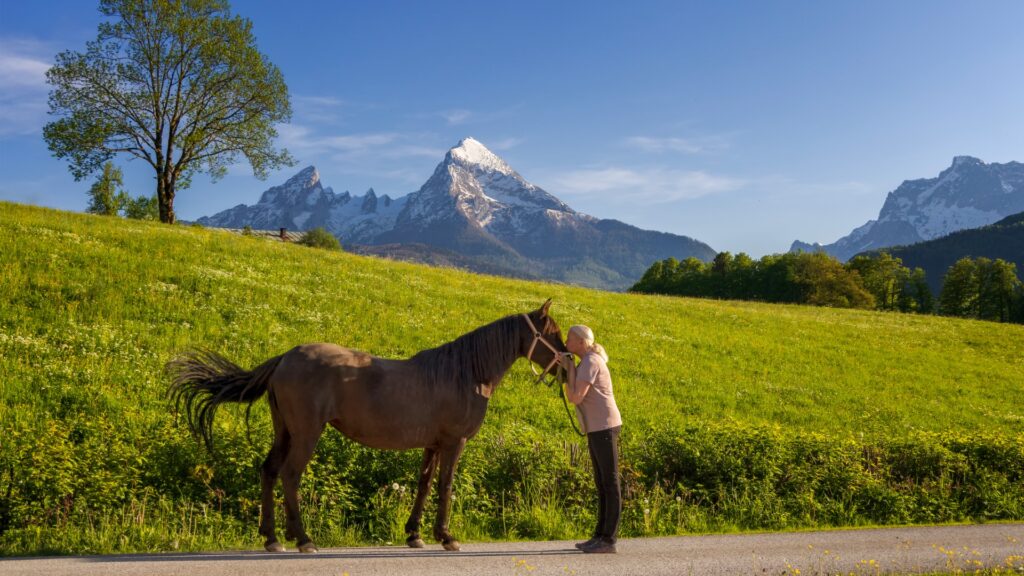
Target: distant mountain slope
(968, 194)
(1004, 239)
(475, 212)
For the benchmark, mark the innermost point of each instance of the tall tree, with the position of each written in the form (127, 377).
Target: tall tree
(106, 195)
(720, 276)
(959, 296)
(1018, 306)
(997, 289)
(916, 296)
(178, 84)
(823, 281)
(884, 277)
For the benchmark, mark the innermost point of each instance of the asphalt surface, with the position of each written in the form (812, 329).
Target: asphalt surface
(874, 551)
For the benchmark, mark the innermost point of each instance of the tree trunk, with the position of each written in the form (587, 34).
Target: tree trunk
(167, 206)
(165, 197)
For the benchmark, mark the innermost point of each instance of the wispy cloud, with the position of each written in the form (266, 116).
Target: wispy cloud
(23, 88)
(456, 117)
(652, 186)
(303, 139)
(463, 116)
(694, 145)
(505, 143)
(312, 145)
(321, 101)
(319, 110)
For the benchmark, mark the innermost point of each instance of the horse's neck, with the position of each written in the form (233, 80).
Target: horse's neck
(489, 351)
(508, 356)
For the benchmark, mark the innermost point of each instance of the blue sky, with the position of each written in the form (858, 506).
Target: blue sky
(746, 125)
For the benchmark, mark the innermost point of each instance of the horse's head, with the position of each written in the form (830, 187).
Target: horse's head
(543, 341)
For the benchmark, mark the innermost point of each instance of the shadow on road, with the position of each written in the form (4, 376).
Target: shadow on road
(329, 554)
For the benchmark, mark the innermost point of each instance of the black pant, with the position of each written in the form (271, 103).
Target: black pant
(604, 454)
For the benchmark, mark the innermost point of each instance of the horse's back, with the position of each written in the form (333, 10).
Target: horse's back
(319, 355)
(373, 400)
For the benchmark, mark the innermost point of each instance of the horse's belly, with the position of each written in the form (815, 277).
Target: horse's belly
(385, 435)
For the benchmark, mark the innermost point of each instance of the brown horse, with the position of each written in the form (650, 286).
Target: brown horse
(435, 400)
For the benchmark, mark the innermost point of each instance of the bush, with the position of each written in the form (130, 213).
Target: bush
(320, 238)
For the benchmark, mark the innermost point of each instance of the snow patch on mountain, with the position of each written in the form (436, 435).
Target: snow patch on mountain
(968, 194)
(470, 151)
(474, 204)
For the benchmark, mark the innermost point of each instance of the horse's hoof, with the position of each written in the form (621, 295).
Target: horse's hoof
(308, 548)
(274, 546)
(452, 545)
(415, 542)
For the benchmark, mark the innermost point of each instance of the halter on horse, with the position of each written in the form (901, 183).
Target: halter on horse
(561, 362)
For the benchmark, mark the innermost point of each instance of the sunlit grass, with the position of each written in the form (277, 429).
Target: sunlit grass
(91, 308)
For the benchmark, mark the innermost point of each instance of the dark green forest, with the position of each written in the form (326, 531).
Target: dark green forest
(1002, 240)
(980, 288)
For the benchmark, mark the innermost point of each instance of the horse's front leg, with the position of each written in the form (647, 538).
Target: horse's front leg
(449, 462)
(412, 527)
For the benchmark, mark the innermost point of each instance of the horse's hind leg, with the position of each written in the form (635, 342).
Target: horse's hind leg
(268, 476)
(412, 527)
(449, 462)
(299, 453)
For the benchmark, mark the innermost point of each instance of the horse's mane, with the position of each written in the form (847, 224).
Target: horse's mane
(483, 355)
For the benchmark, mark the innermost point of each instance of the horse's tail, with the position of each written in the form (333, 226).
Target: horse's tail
(203, 380)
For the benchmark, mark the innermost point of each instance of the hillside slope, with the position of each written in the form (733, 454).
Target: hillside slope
(723, 401)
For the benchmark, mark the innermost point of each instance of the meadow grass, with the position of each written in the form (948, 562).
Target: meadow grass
(737, 415)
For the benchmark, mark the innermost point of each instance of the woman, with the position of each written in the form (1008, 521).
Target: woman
(592, 394)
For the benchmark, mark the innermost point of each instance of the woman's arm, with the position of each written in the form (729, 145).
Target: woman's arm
(581, 381)
(576, 393)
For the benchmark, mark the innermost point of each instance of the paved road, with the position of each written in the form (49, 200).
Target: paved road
(875, 551)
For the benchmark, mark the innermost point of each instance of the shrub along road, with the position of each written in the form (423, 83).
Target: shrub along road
(873, 551)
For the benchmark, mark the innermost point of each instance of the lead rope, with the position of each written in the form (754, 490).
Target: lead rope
(555, 363)
(565, 401)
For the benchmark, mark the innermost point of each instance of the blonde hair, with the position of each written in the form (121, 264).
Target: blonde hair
(587, 335)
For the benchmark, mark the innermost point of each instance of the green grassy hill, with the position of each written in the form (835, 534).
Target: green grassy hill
(738, 415)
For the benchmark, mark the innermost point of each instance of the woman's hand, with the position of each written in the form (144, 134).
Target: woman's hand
(574, 391)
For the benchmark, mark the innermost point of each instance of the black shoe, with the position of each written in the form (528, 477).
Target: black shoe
(600, 546)
(593, 539)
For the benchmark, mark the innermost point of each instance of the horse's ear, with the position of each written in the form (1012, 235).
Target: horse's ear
(544, 308)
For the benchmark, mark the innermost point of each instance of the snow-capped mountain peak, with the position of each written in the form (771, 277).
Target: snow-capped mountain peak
(302, 184)
(476, 206)
(470, 151)
(967, 194)
(474, 184)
